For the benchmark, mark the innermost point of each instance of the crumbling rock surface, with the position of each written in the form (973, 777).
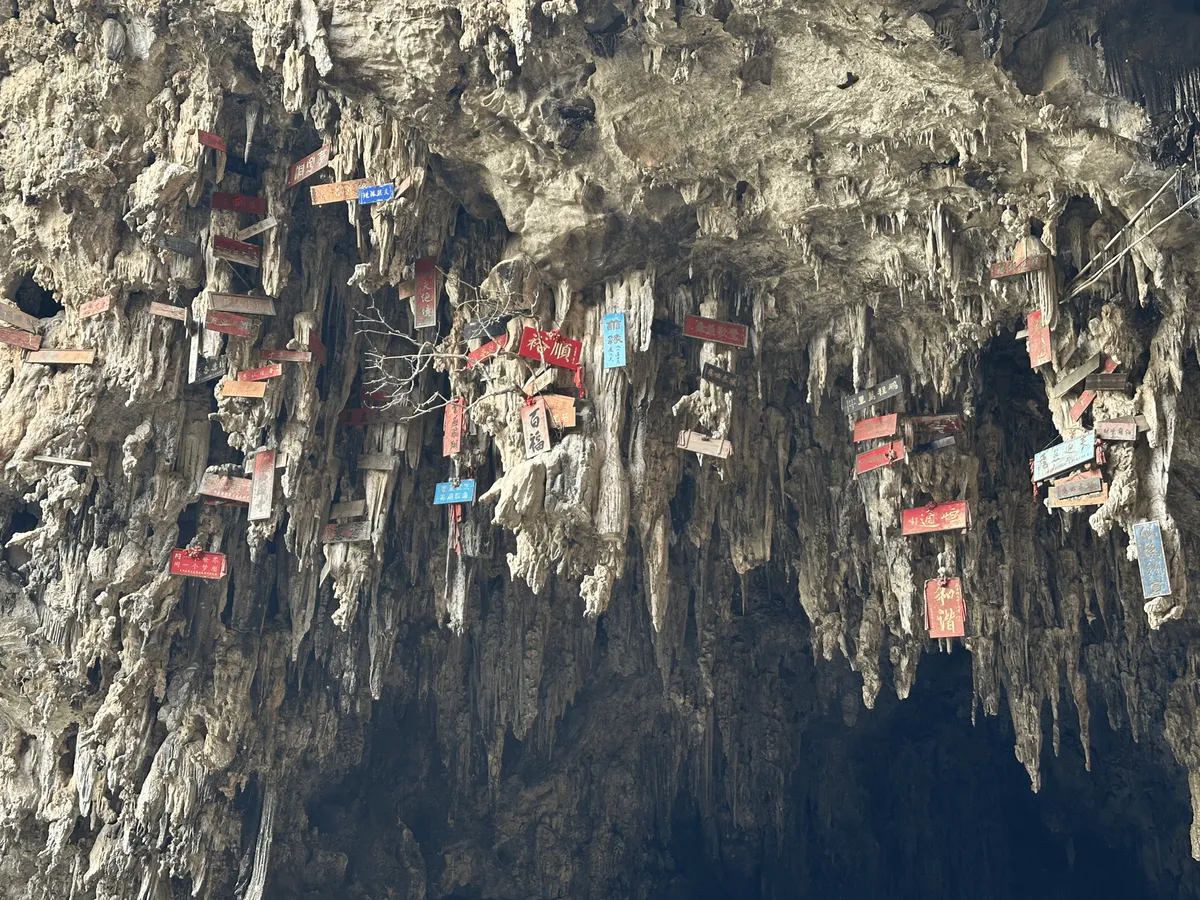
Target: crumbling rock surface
(620, 649)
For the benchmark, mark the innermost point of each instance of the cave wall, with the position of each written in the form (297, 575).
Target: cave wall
(618, 642)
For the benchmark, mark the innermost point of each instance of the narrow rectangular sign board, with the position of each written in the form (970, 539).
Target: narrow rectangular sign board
(1118, 381)
(1057, 501)
(225, 487)
(262, 486)
(424, 302)
(880, 426)
(296, 356)
(208, 139)
(1075, 376)
(194, 564)
(321, 194)
(257, 228)
(614, 340)
(228, 323)
(15, 337)
(1085, 399)
(1152, 560)
(1009, 268)
(879, 457)
(707, 446)
(377, 462)
(454, 426)
(62, 461)
(176, 244)
(1038, 340)
(536, 428)
(167, 311)
(62, 357)
(1122, 429)
(11, 315)
(1079, 486)
(722, 378)
(310, 165)
(348, 509)
(274, 370)
(949, 516)
(491, 348)
(239, 252)
(252, 389)
(346, 532)
(552, 348)
(376, 194)
(449, 492)
(1066, 455)
(885, 390)
(242, 303)
(95, 307)
(703, 329)
(945, 610)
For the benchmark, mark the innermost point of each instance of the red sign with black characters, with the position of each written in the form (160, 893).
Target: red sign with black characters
(208, 139)
(454, 426)
(229, 323)
(551, 347)
(879, 457)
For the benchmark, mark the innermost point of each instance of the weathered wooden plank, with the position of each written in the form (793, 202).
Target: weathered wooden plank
(11, 315)
(273, 370)
(257, 228)
(377, 462)
(226, 487)
(251, 389)
(229, 323)
(63, 461)
(236, 251)
(321, 194)
(1010, 267)
(729, 333)
(1118, 382)
(885, 390)
(167, 311)
(15, 337)
(346, 532)
(240, 203)
(722, 378)
(878, 427)
(262, 486)
(698, 443)
(309, 165)
(242, 303)
(1075, 376)
(1152, 560)
(348, 509)
(62, 357)
(1124, 428)
(95, 307)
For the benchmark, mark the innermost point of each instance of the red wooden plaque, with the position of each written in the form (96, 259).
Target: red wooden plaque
(1085, 399)
(714, 330)
(880, 426)
(208, 139)
(194, 564)
(551, 347)
(879, 457)
(1038, 340)
(14, 337)
(424, 300)
(949, 516)
(255, 206)
(317, 348)
(227, 487)
(491, 348)
(235, 251)
(454, 426)
(314, 162)
(1009, 267)
(229, 323)
(297, 356)
(95, 307)
(262, 487)
(945, 610)
(274, 370)
(167, 311)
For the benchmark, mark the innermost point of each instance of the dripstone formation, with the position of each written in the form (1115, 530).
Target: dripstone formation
(598, 449)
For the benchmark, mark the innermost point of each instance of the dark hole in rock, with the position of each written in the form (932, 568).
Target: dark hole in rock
(35, 300)
(25, 518)
(66, 756)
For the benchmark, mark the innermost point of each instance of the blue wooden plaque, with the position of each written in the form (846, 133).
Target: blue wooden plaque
(614, 340)
(1152, 561)
(449, 492)
(1066, 455)
(376, 194)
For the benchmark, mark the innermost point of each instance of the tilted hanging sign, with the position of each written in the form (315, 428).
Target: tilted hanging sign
(695, 442)
(879, 427)
(95, 307)
(1152, 560)
(15, 337)
(1085, 399)
(254, 206)
(241, 303)
(208, 139)
(551, 347)
(238, 252)
(1064, 456)
(491, 348)
(225, 487)
(262, 486)
(311, 164)
(885, 390)
(879, 457)
(952, 515)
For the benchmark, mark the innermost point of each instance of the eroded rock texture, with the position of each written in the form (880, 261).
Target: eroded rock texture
(619, 649)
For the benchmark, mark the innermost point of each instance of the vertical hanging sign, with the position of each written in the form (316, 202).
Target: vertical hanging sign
(537, 431)
(262, 486)
(614, 340)
(945, 611)
(454, 422)
(425, 297)
(1038, 340)
(1152, 561)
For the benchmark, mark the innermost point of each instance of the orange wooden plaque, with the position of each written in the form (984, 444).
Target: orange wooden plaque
(339, 190)
(253, 389)
(95, 307)
(62, 357)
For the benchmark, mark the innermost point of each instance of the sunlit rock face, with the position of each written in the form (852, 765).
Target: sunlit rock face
(623, 669)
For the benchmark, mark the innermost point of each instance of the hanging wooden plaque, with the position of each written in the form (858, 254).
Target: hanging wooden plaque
(945, 609)
(208, 139)
(447, 492)
(225, 487)
(424, 301)
(491, 348)
(1152, 560)
(1122, 429)
(1116, 382)
(11, 315)
(193, 564)
(321, 194)
(1064, 456)
(254, 206)
(62, 357)
(229, 323)
(948, 424)
(538, 382)
(14, 337)
(614, 340)
(296, 356)
(1038, 340)
(311, 164)
(561, 410)
(95, 307)
(698, 443)
(722, 378)
(1075, 376)
(257, 228)
(885, 390)
(454, 426)
(535, 427)
(1010, 267)
(879, 427)
(546, 346)
(348, 509)
(879, 457)
(346, 532)
(252, 389)
(1057, 501)
(176, 244)
(239, 252)
(242, 303)
(262, 486)
(377, 462)
(167, 311)
(719, 332)
(949, 516)
(274, 370)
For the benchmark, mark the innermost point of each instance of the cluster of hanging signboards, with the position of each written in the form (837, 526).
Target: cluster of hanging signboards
(239, 316)
(1071, 467)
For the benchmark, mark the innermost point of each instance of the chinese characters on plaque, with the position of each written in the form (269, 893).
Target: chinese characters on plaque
(1063, 456)
(945, 610)
(449, 492)
(424, 300)
(950, 516)
(1152, 560)
(614, 340)
(535, 427)
(715, 330)
(885, 390)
